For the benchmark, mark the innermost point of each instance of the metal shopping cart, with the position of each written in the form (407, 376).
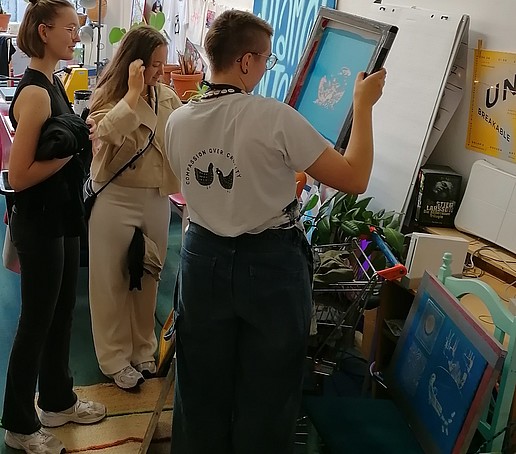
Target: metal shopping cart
(346, 283)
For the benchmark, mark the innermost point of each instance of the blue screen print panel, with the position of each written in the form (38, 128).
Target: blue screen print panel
(327, 94)
(292, 21)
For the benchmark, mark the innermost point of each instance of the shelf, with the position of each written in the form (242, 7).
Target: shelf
(495, 260)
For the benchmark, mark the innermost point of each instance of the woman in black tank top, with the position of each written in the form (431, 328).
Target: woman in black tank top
(45, 223)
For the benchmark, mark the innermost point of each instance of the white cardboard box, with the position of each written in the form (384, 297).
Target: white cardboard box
(426, 252)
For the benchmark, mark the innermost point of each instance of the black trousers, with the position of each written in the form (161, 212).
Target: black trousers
(243, 317)
(49, 269)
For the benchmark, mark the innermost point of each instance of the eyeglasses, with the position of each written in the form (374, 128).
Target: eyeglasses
(271, 61)
(73, 30)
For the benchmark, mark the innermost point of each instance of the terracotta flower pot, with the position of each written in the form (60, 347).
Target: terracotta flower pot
(185, 85)
(168, 68)
(82, 19)
(4, 22)
(93, 13)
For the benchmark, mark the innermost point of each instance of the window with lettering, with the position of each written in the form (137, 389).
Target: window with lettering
(292, 21)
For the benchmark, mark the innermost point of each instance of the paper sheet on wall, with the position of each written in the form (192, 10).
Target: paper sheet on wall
(492, 116)
(418, 67)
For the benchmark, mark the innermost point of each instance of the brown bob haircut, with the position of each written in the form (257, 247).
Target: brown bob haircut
(138, 43)
(38, 12)
(233, 34)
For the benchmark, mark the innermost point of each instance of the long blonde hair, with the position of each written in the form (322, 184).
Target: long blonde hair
(138, 43)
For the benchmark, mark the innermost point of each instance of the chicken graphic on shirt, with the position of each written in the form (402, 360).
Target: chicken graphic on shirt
(226, 181)
(204, 178)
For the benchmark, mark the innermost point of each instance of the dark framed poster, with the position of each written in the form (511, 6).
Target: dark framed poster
(340, 46)
(443, 370)
(292, 21)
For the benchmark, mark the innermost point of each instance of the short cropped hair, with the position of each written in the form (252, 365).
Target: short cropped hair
(232, 34)
(37, 12)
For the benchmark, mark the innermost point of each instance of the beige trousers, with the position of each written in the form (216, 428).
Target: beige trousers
(123, 320)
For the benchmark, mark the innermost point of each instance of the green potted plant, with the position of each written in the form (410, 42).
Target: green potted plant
(4, 19)
(187, 78)
(343, 216)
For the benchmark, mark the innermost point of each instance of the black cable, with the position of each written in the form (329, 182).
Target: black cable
(507, 428)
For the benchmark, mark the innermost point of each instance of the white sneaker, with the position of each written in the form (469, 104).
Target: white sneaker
(39, 442)
(82, 412)
(147, 369)
(128, 378)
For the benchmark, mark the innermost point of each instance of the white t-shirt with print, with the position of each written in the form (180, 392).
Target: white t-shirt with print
(176, 19)
(197, 10)
(236, 157)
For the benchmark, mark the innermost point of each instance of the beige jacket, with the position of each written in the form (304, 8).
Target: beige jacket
(123, 132)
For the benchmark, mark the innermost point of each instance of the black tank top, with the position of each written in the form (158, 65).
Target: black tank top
(57, 201)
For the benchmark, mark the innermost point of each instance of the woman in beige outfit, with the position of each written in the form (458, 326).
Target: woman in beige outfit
(130, 108)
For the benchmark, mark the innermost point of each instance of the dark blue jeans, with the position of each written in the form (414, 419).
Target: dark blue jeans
(49, 268)
(243, 317)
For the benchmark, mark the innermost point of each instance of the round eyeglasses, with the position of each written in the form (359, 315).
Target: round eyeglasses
(73, 30)
(271, 61)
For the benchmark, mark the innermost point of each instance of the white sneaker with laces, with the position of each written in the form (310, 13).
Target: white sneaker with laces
(127, 378)
(147, 369)
(39, 442)
(82, 412)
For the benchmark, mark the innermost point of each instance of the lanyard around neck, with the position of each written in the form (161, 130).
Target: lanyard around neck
(218, 90)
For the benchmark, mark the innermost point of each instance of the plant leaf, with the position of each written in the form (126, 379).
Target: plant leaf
(157, 20)
(311, 203)
(363, 203)
(395, 240)
(351, 200)
(352, 214)
(323, 228)
(367, 216)
(379, 261)
(350, 228)
(326, 208)
(395, 223)
(116, 34)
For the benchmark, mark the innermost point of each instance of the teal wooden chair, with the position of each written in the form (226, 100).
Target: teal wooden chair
(495, 420)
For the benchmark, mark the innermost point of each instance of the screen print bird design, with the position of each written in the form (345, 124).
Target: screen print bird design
(204, 178)
(226, 181)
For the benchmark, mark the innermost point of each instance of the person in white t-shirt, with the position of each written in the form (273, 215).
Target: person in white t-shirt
(244, 301)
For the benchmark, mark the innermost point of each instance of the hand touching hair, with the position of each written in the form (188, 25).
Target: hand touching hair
(138, 44)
